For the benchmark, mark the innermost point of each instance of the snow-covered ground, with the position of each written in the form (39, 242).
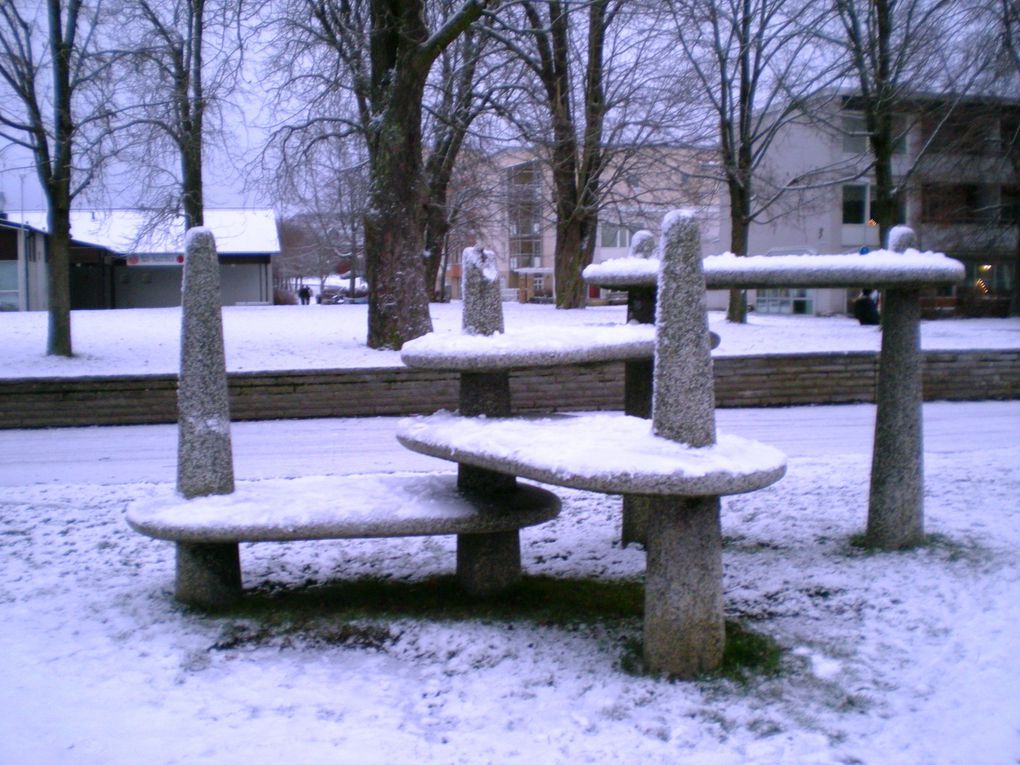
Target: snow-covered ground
(907, 658)
(147, 341)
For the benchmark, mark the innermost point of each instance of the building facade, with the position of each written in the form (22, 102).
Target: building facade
(957, 171)
(117, 263)
(520, 221)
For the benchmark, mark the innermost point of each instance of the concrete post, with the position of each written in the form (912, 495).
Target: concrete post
(208, 575)
(637, 385)
(684, 628)
(896, 504)
(486, 563)
(205, 463)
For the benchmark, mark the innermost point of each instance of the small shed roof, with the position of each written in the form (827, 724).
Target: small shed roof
(237, 231)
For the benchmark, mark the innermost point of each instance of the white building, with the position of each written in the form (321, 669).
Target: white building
(961, 195)
(117, 263)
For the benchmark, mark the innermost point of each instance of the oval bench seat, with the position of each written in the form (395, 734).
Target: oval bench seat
(604, 453)
(531, 347)
(327, 507)
(878, 269)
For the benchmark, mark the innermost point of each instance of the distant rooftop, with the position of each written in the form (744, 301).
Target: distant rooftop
(237, 231)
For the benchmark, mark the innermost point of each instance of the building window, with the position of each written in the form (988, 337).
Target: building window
(855, 134)
(8, 285)
(855, 204)
(961, 132)
(524, 213)
(858, 202)
(614, 236)
(958, 203)
(796, 302)
(1009, 205)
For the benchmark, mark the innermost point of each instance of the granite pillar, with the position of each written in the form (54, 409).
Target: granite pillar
(684, 628)
(896, 503)
(205, 463)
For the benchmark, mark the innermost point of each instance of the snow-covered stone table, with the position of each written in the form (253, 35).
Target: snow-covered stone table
(675, 462)
(896, 504)
(207, 529)
(207, 517)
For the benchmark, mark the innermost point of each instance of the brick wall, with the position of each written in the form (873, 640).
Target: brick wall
(740, 381)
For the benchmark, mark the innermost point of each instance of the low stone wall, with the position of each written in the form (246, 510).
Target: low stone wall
(740, 381)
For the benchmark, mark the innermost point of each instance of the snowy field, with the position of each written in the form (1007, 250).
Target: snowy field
(887, 658)
(257, 338)
(907, 658)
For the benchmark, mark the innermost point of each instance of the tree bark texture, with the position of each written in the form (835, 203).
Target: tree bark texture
(402, 51)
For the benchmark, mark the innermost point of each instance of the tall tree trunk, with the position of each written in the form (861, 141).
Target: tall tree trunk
(570, 260)
(740, 203)
(402, 52)
(58, 275)
(398, 308)
(56, 180)
(193, 103)
(437, 227)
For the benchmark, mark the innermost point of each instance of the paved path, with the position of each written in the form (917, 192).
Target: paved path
(134, 453)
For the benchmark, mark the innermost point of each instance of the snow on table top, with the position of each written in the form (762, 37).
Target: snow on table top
(880, 268)
(531, 347)
(328, 507)
(606, 453)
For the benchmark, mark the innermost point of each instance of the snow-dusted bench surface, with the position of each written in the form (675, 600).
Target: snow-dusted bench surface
(531, 347)
(881, 268)
(328, 507)
(605, 453)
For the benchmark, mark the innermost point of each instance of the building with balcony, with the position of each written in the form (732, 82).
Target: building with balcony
(520, 222)
(958, 169)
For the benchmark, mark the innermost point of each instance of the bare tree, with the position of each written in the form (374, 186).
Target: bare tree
(895, 48)
(325, 192)
(461, 89)
(545, 41)
(182, 63)
(376, 91)
(755, 62)
(62, 123)
(591, 106)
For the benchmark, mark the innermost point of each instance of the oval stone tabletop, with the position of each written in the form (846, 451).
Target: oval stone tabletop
(328, 507)
(878, 269)
(601, 452)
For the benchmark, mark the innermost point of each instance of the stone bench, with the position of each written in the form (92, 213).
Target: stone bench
(207, 530)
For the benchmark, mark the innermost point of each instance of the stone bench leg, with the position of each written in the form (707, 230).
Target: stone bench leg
(488, 563)
(896, 504)
(684, 630)
(637, 402)
(208, 575)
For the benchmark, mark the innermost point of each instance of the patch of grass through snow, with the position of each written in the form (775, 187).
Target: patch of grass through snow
(353, 613)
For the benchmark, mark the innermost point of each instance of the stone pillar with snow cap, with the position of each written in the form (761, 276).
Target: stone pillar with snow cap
(684, 629)
(486, 563)
(642, 244)
(205, 463)
(207, 574)
(483, 299)
(901, 239)
(896, 503)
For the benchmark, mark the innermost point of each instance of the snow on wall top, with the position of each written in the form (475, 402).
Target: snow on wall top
(606, 453)
(530, 347)
(237, 231)
(881, 268)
